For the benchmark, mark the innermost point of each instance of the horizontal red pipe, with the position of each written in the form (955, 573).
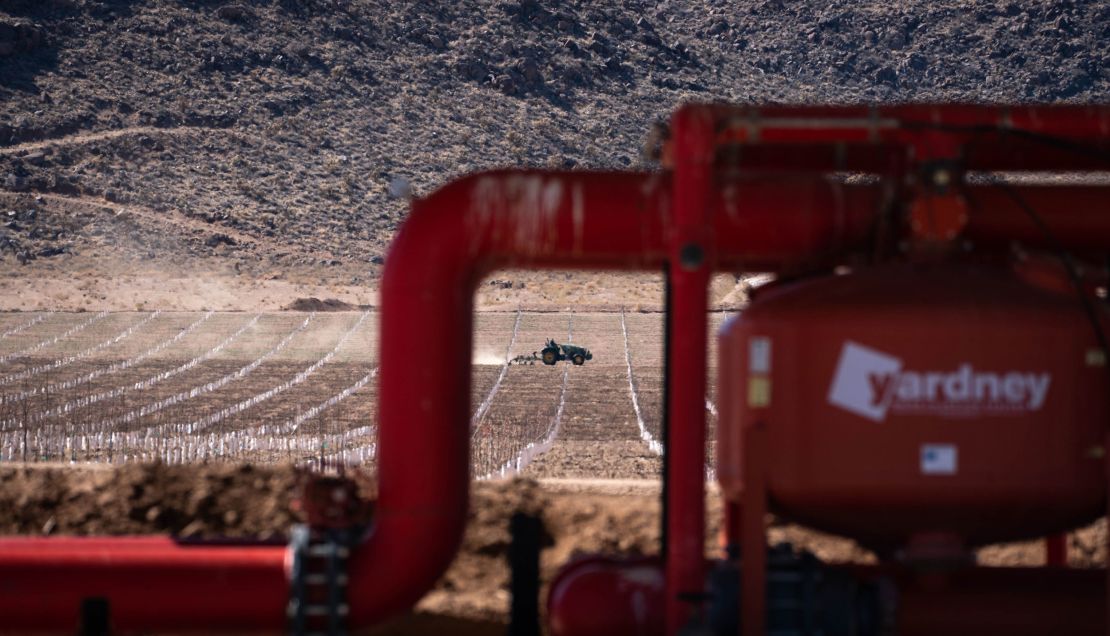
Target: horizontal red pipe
(150, 582)
(602, 596)
(867, 139)
(904, 122)
(770, 224)
(1075, 215)
(988, 154)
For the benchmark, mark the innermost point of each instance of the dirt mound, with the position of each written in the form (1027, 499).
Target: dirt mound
(315, 304)
(248, 501)
(472, 596)
(215, 500)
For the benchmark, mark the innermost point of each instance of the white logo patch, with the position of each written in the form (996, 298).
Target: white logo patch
(871, 383)
(939, 459)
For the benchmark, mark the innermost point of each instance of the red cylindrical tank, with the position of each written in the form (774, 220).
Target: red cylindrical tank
(902, 400)
(599, 596)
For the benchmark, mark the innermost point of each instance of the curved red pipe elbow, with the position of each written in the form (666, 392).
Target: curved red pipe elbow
(449, 242)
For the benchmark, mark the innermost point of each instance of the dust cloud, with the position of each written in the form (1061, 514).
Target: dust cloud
(488, 358)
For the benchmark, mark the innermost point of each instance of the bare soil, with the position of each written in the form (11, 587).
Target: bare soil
(581, 516)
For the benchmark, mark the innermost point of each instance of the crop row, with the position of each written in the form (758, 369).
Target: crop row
(505, 441)
(56, 339)
(102, 369)
(58, 363)
(21, 327)
(99, 406)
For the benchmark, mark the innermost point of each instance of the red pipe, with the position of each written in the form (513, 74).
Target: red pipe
(798, 221)
(1076, 216)
(150, 582)
(868, 139)
(691, 263)
(803, 220)
(603, 596)
(1056, 550)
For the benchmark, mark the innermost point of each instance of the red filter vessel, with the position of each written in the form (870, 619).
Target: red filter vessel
(919, 401)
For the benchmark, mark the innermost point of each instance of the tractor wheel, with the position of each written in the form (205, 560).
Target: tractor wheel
(578, 360)
(550, 357)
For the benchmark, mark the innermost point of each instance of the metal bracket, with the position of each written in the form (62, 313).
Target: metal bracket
(318, 585)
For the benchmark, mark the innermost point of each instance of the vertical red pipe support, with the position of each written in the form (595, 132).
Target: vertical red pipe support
(690, 254)
(1056, 549)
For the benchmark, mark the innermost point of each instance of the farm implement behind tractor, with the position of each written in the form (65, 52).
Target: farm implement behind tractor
(927, 374)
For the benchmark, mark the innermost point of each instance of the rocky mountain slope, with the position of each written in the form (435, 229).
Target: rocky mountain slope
(261, 138)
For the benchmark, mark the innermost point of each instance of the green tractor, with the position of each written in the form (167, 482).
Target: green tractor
(553, 352)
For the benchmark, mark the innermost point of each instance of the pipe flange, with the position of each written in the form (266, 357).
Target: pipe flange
(318, 581)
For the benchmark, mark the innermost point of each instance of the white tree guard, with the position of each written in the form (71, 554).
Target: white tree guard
(645, 434)
(24, 326)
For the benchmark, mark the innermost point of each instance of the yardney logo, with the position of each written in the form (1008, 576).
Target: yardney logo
(871, 383)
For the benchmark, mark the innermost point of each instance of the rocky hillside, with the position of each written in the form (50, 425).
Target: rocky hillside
(267, 133)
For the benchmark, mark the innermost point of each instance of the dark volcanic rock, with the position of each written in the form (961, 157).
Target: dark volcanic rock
(233, 12)
(17, 36)
(276, 119)
(315, 304)
(219, 239)
(51, 251)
